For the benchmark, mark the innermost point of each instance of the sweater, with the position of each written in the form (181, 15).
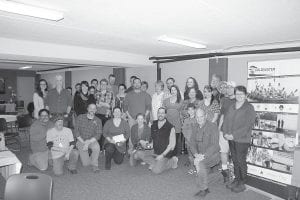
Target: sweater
(137, 102)
(239, 122)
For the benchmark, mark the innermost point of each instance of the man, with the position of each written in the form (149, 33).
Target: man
(38, 133)
(131, 84)
(164, 142)
(136, 102)
(59, 100)
(226, 102)
(204, 145)
(88, 129)
(111, 84)
(60, 142)
(144, 86)
(170, 82)
(77, 89)
(94, 82)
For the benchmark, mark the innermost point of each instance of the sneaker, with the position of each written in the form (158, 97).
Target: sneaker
(233, 184)
(192, 171)
(175, 165)
(239, 188)
(202, 193)
(96, 169)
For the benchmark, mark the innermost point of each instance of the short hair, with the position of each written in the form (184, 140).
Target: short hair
(240, 88)
(69, 88)
(92, 87)
(77, 84)
(139, 114)
(208, 88)
(104, 80)
(111, 75)
(202, 110)
(58, 77)
(117, 107)
(133, 77)
(137, 79)
(122, 85)
(191, 105)
(159, 82)
(84, 83)
(44, 110)
(162, 108)
(170, 78)
(94, 80)
(145, 83)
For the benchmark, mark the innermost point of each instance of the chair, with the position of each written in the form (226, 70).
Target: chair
(20, 105)
(2, 108)
(12, 138)
(23, 125)
(28, 186)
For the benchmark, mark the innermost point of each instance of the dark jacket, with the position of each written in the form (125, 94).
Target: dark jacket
(239, 122)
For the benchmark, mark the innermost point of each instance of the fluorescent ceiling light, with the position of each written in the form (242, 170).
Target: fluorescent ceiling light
(181, 42)
(28, 10)
(26, 67)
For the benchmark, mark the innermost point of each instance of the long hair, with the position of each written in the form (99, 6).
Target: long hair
(209, 89)
(39, 90)
(199, 95)
(196, 86)
(178, 93)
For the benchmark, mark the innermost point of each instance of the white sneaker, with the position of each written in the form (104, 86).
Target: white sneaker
(175, 164)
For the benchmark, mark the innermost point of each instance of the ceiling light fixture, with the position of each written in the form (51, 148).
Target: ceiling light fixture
(188, 43)
(26, 67)
(32, 11)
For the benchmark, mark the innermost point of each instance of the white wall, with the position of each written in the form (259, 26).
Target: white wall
(237, 66)
(180, 71)
(50, 78)
(148, 74)
(89, 74)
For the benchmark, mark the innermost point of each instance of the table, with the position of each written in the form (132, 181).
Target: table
(9, 164)
(9, 118)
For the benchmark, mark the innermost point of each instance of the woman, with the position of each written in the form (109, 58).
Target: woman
(39, 96)
(120, 97)
(81, 100)
(157, 98)
(192, 98)
(140, 139)
(237, 128)
(210, 105)
(116, 131)
(192, 83)
(173, 105)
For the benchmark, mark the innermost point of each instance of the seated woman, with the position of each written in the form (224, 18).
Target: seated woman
(140, 139)
(116, 131)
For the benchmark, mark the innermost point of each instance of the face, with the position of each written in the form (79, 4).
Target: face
(173, 91)
(207, 93)
(131, 81)
(190, 83)
(161, 115)
(117, 113)
(78, 88)
(214, 81)
(92, 91)
(191, 112)
(103, 85)
(112, 80)
(158, 88)
(94, 83)
(137, 84)
(44, 117)
(230, 90)
(169, 83)
(92, 109)
(121, 89)
(144, 87)
(43, 85)
(192, 93)
(59, 82)
(200, 117)
(59, 124)
(240, 96)
(84, 89)
(140, 120)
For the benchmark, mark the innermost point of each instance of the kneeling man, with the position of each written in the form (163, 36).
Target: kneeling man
(61, 142)
(204, 145)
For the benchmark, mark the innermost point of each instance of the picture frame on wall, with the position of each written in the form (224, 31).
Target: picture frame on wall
(2, 85)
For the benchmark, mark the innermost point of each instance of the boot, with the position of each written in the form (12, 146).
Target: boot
(233, 184)
(239, 188)
(225, 174)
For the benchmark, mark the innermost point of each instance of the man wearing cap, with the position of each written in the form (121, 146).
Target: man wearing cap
(88, 129)
(60, 142)
(225, 103)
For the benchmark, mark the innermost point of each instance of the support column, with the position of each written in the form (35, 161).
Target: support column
(218, 66)
(158, 68)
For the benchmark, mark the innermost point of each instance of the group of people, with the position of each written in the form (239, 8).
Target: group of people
(152, 130)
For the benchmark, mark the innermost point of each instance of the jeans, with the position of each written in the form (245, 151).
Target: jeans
(111, 152)
(85, 158)
(204, 167)
(58, 163)
(239, 154)
(39, 160)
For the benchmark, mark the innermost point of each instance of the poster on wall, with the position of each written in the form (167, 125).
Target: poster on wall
(274, 89)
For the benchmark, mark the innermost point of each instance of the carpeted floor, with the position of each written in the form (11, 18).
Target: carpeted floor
(123, 182)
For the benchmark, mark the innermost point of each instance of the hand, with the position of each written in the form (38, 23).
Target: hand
(66, 115)
(143, 143)
(159, 157)
(85, 146)
(228, 136)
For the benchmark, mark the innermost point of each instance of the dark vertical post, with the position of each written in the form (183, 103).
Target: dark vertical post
(158, 71)
(218, 66)
(68, 79)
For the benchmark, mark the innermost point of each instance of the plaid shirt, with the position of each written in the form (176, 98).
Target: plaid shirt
(107, 97)
(88, 128)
